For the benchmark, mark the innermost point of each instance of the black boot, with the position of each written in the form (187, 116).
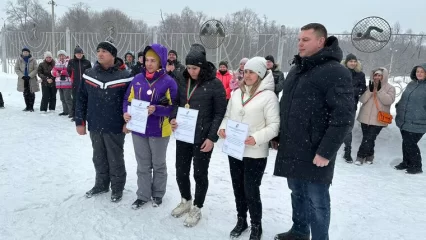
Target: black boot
(290, 236)
(239, 228)
(347, 156)
(116, 196)
(256, 232)
(401, 166)
(96, 191)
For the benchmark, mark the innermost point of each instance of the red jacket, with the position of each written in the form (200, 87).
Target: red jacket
(225, 79)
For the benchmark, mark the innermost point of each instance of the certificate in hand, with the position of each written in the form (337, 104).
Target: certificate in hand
(236, 135)
(139, 112)
(186, 120)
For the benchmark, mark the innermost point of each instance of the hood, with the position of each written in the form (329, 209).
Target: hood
(161, 51)
(413, 72)
(358, 67)
(330, 52)
(385, 74)
(207, 73)
(267, 83)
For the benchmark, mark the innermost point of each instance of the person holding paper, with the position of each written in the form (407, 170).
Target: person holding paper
(198, 90)
(256, 105)
(155, 87)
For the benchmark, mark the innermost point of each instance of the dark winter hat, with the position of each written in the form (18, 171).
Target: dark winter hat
(349, 57)
(224, 63)
(196, 57)
(25, 49)
(78, 49)
(140, 54)
(198, 47)
(174, 52)
(270, 58)
(109, 46)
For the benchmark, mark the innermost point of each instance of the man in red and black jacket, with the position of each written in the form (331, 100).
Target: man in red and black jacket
(75, 69)
(100, 103)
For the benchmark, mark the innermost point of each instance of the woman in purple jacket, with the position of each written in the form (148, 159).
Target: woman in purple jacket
(155, 86)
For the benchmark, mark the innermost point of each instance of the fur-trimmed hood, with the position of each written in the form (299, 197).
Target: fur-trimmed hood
(358, 67)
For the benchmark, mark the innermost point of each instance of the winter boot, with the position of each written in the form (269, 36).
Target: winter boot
(369, 160)
(138, 204)
(401, 166)
(413, 171)
(193, 218)
(347, 155)
(256, 232)
(183, 207)
(359, 161)
(290, 236)
(156, 201)
(116, 196)
(96, 191)
(239, 228)
(63, 114)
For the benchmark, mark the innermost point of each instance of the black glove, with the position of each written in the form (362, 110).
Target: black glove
(26, 78)
(164, 101)
(371, 86)
(379, 86)
(63, 77)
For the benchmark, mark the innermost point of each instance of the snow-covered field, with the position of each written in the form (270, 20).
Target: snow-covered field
(45, 169)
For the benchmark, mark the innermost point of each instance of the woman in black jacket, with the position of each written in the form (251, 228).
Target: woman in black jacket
(199, 90)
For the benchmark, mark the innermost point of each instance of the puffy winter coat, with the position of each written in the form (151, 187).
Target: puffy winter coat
(31, 70)
(62, 78)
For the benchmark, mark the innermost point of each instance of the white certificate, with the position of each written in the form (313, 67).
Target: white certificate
(186, 120)
(139, 113)
(236, 135)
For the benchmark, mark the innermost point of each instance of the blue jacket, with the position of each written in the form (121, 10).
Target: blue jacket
(100, 98)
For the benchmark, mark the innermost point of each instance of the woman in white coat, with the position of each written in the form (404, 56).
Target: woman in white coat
(256, 105)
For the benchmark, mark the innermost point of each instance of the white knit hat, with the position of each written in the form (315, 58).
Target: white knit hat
(257, 65)
(62, 52)
(379, 71)
(47, 54)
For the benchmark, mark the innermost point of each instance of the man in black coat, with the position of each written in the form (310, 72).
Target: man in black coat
(174, 67)
(139, 64)
(316, 115)
(75, 69)
(100, 103)
(360, 85)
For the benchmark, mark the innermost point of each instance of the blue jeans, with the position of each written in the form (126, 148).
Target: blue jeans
(311, 208)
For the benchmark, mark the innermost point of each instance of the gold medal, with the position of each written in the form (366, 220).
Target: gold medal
(187, 106)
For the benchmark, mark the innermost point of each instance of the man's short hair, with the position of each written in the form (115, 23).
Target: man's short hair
(318, 28)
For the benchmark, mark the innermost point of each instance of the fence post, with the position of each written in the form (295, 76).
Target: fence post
(281, 40)
(154, 36)
(3, 50)
(68, 43)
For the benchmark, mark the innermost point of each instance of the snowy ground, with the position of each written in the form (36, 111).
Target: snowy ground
(45, 169)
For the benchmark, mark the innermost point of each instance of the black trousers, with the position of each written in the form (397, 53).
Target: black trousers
(108, 158)
(369, 135)
(246, 178)
(1, 100)
(410, 150)
(48, 99)
(29, 97)
(74, 98)
(185, 154)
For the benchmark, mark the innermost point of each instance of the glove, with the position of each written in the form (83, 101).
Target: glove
(63, 78)
(379, 86)
(164, 101)
(64, 73)
(371, 86)
(26, 78)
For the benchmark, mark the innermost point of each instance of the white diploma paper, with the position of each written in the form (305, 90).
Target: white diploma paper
(236, 135)
(186, 120)
(139, 112)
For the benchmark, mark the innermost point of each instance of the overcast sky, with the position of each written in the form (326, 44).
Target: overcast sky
(336, 15)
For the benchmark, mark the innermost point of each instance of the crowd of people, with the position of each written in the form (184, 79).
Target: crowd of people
(307, 126)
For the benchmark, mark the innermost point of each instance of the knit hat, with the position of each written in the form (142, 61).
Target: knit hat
(174, 52)
(244, 61)
(198, 47)
(257, 65)
(378, 72)
(270, 58)
(196, 57)
(25, 49)
(224, 63)
(349, 57)
(153, 54)
(47, 54)
(108, 46)
(61, 52)
(78, 49)
(140, 54)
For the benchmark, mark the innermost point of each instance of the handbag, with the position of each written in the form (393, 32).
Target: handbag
(382, 117)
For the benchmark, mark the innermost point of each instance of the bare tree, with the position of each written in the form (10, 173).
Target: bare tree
(24, 14)
(77, 19)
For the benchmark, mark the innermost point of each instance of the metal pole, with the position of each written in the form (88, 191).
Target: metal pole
(3, 50)
(52, 2)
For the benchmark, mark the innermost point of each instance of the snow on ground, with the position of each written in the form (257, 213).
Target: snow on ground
(45, 169)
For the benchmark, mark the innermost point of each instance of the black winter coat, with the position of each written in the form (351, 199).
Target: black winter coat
(76, 68)
(359, 82)
(44, 71)
(317, 112)
(100, 98)
(209, 99)
(137, 69)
